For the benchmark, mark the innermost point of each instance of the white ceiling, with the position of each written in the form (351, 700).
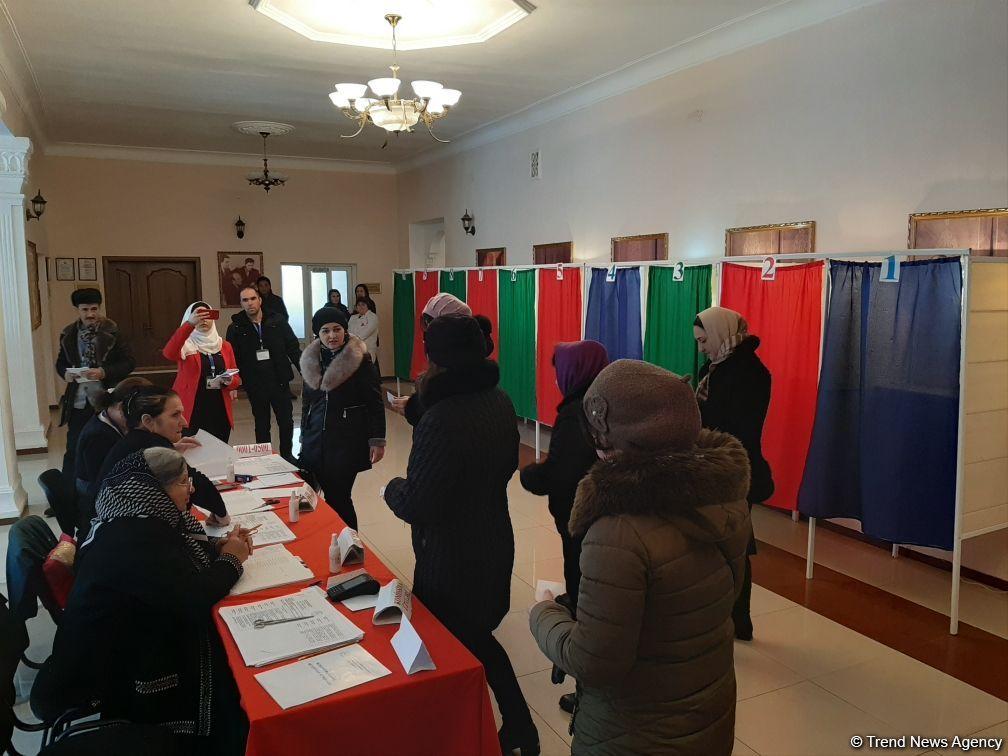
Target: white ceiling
(176, 73)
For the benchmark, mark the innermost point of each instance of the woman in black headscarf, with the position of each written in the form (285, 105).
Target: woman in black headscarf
(335, 300)
(137, 632)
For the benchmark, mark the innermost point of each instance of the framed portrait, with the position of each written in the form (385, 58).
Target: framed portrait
(65, 269)
(87, 269)
(235, 271)
(34, 297)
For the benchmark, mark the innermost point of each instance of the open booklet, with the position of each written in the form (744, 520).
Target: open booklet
(270, 567)
(351, 547)
(271, 529)
(283, 628)
(320, 676)
(394, 602)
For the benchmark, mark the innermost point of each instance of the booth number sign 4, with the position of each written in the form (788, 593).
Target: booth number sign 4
(678, 272)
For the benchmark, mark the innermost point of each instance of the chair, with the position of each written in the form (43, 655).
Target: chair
(62, 497)
(29, 542)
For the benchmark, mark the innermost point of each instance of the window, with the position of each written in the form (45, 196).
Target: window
(551, 254)
(305, 289)
(983, 231)
(775, 239)
(640, 248)
(492, 257)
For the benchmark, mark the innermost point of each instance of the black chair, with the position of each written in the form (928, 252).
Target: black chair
(62, 497)
(29, 542)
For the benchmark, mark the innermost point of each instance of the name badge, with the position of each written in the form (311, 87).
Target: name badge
(262, 355)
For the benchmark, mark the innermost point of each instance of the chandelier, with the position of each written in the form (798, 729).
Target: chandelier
(266, 180)
(389, 111)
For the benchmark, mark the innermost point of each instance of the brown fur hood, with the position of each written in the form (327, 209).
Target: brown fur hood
(340, 370)
(704, 489)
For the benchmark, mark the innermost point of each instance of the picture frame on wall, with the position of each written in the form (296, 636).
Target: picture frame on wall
(87, 268)
(235, 271)
(34, 295)
(65, 269)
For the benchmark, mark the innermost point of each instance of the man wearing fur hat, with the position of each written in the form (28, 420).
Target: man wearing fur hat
(666, 526)
(97, 357)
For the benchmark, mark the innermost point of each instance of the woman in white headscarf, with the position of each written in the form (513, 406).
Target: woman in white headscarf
(207, 374)
(734, 395)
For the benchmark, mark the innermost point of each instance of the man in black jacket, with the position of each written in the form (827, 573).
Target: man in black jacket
(265, 347)
(271, 302)
(97, 356)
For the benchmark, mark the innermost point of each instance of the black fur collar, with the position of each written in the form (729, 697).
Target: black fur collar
(715, 473)
(460, 381)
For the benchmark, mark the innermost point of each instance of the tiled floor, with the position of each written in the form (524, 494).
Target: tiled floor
(806, 685)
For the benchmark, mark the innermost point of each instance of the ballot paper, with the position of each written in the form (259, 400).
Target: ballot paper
(265, 465)
(321, 676)
(272, 481)
(218, 382)
(360, 603)
(271, 528)
(410, 648)
(351, 547)
(325, 627)
(242, 502)
(394, 603)
(269, 567)
(547, 590)
(77, 374)
(212, 457)
(254, 450)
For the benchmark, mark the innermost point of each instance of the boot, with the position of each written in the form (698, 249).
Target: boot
(740, 612)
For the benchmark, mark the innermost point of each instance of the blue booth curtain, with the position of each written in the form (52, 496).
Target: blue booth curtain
(884, 443)
(614, 313)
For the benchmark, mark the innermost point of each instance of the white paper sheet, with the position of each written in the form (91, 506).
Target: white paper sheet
(410, 648)
(326, 627)
(321, 676)
(269, 567)
(211, 457)
(242, 502)
(547, 590)
(272, 481)
(394, 603)
(267, 465)
(360, 603)
(271, 528)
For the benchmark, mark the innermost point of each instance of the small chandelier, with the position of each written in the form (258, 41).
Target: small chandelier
(387, 111)
(264, 179)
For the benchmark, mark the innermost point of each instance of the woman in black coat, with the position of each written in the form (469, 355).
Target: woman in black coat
(155, 418)
(343, 418)
(734, 394)
(137, 633)
(465, 450)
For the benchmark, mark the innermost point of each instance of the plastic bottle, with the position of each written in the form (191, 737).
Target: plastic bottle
(230, 473)
(334, 554)
(294, 511)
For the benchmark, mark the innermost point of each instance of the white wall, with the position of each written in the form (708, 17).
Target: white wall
(896, 108)
(855, 123)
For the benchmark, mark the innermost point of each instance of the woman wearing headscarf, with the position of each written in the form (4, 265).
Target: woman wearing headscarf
(202, 382)
(335, 299)
(155, 417)
(343, 420)
(734, 394)
(361, 291)
(454, 495)
(665, 527)
(364, 325)
(137, 633)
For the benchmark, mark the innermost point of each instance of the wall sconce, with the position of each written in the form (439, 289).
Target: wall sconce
(38, 204)
(240, 228)
(467, 223)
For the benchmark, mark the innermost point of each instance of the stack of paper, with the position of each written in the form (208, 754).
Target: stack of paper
(271, 528)
(301, 623)
(242, 502)
(269, 567)
(272, 481)
(266, 465)
(321, 676)
(212, 457)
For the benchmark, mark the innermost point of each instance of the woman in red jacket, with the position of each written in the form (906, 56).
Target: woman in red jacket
(207, 376)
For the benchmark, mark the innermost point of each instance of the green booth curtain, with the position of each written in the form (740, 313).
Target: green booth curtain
(403, 322)
(672, 306)
(517, 342)
(454, 282)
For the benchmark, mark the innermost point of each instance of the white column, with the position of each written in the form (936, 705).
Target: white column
(29, 431)
(13, 498)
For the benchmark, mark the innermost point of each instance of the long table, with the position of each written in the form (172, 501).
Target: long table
(443, 712)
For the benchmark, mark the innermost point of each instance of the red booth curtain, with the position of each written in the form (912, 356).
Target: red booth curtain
(559, 321)
(482, 299)
(426, 286)
(786, 314)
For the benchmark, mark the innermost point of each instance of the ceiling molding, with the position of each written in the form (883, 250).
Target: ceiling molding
(29, 98)
(775, 20)
(201, 157)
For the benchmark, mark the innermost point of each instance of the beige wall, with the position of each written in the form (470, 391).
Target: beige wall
(127, 208)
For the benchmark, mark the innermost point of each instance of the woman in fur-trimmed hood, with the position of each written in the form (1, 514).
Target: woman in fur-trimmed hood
(665, 526)
(343, 418)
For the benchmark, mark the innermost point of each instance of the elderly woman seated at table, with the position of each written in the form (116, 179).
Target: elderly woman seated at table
(137, 633)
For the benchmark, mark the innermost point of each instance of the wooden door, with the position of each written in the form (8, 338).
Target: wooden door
(551, 254)
(147, 297)
(640, 248)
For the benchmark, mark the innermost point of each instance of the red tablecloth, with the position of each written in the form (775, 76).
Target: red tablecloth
(443, 712)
